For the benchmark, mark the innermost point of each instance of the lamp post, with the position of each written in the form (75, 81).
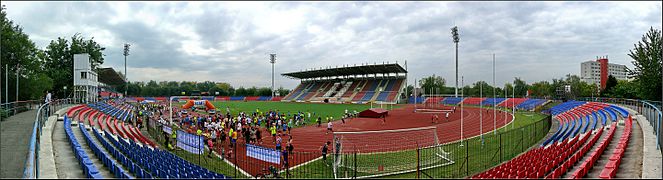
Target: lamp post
(494, 104)
(18, 68)
(126, 80)
(454, 33)
(481, 112)
(461, 111)
(272, 59)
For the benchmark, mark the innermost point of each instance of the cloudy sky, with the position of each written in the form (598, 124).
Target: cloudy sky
(231, 41)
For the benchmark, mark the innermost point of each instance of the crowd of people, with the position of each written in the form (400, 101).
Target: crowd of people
(223, 131)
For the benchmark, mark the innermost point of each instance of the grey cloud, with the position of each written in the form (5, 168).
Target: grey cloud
(533, 40)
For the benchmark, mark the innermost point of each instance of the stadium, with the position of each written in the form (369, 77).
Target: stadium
(339, 122)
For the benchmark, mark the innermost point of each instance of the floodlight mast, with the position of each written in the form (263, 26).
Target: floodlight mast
(456, 39)
(272, 59)
(126, 81)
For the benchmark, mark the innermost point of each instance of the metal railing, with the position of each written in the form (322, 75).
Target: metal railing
(13, 108)
(31, 167)
(650, 109)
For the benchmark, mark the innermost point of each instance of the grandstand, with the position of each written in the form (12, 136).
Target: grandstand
(119, 150)
(492, 101)
(452, 100)
(512, 102)
(579, 131)
(473, 100)
(531, 104)
(355, 84)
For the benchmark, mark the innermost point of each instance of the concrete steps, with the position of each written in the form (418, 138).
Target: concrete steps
(586, 156)
(631, 164)
(103, 170)
(66, 163)
(595, 172)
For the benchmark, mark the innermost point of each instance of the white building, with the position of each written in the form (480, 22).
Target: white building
(592, 71)
(85, 80)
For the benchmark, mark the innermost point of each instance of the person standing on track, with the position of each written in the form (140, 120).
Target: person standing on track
(329, 127)
(272, 129)
(447, 117)
(324, 150)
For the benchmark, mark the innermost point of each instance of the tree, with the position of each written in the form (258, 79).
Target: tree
(542, 89)
(432, 84)
(611, 83)
(18, 49)
(646, 56)
(624, 89)
(520, 87)
(282, 91)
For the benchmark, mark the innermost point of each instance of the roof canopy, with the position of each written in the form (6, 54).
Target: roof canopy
(110, 77)
(346, 71)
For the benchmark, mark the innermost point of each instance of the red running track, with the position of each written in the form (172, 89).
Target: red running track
(308, 140)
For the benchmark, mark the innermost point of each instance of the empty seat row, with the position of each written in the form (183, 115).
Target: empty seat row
(611, 168)
(89, 169)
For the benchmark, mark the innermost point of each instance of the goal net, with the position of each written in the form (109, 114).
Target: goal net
(387, 152)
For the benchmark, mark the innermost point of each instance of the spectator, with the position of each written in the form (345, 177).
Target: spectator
(278, 142)
(48, 100)
(285, 158)
(258, 135)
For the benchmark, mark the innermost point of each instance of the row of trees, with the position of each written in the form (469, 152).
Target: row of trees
(646, 83)
(174, 88)
(39, 70)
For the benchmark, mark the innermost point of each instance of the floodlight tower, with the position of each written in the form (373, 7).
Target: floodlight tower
(126, 81)
(272, 59)
(454, 33)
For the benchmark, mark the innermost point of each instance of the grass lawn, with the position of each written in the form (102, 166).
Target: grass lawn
(316, 109)
(481, 157)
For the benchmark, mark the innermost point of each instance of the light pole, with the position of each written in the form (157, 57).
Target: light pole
(481, 112)
(7, 79)
(461, 111)
(18, 68)
(272, 59)
(126, 80)
(494, 104)
(454, 33)
(505, 97)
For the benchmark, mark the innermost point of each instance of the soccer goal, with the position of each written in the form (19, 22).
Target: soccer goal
(387, 152)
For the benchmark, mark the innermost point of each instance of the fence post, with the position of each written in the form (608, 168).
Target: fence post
(467, 158)
(235, 158)
(418, 163)
(355, 164)
(500, 147)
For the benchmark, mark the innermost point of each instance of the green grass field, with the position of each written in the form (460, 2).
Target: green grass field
(316, 109)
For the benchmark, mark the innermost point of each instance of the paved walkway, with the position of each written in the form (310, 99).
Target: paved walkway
(15, 133)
